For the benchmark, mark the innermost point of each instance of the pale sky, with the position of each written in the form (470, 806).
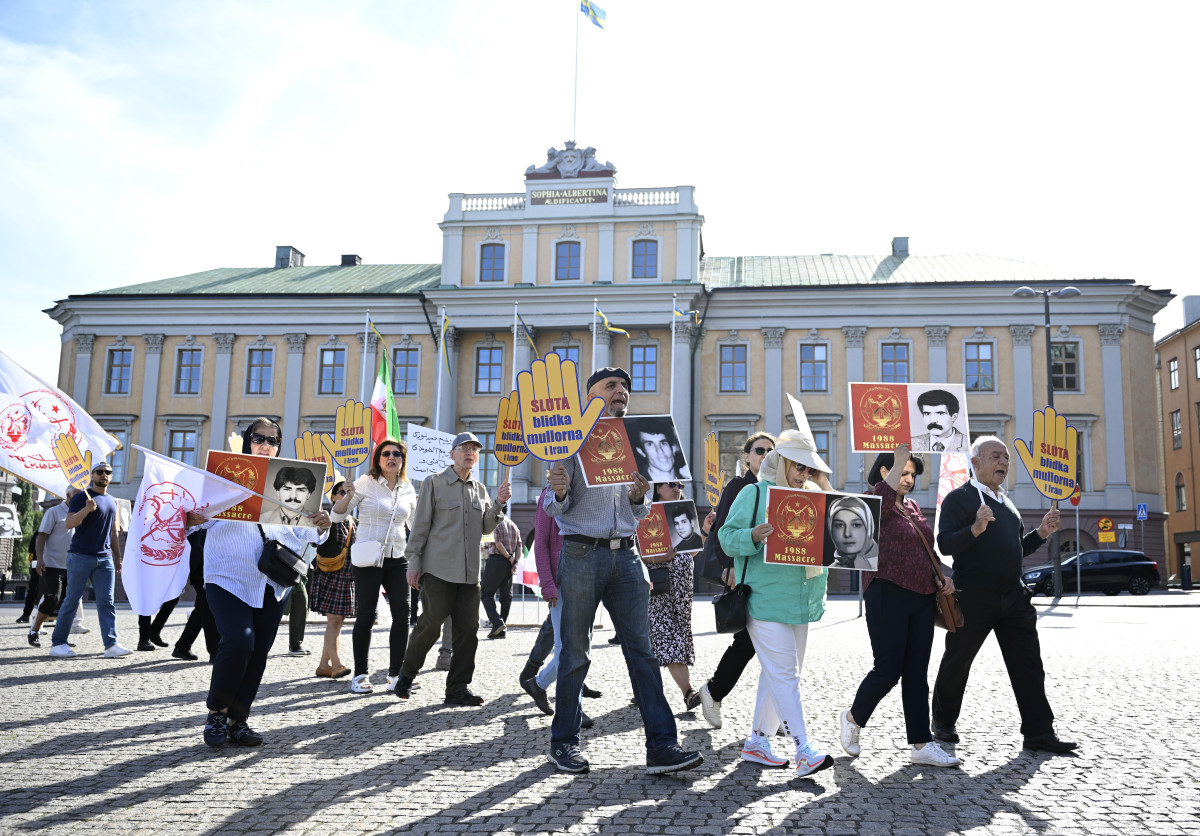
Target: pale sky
(144, 140)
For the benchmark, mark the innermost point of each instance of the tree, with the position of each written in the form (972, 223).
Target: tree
(30, 516)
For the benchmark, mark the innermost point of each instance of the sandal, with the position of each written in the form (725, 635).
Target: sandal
(340, 673)
(691, 699)
(361, 684)
(324, 671)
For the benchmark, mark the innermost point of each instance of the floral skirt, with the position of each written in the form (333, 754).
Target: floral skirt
(671, 616)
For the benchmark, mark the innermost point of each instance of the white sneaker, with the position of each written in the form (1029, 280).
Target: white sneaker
(933, 755)
(61, 651)
(710, 708)
(849, 736)
(757, 749)
(116, 651)
(809, 760)
(391, 683)
(361, 684)
(79, 629)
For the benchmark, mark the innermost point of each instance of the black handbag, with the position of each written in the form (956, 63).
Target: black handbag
(709, 564)
(732, 607)
(660, 579)
(279, 563)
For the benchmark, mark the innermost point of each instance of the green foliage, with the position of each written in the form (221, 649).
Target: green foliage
(30, 515)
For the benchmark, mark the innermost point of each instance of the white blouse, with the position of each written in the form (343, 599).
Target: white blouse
(232, 549)
(375, 503)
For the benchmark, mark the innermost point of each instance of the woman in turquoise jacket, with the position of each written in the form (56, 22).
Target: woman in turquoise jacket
(784, 600)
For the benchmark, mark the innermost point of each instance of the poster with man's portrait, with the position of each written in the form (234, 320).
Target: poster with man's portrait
(938, 418)
(292, 484)
(928, 417)
(10, 522)
(656, 448)
(684, 525)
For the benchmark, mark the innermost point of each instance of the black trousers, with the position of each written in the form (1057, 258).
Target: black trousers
(733, 662)
(148, 627)
(33, 592)
(392, 576)
(200, 618)
(1013, 619)
(497, 579)
(247, 634)
(900, 623)
(54, 587)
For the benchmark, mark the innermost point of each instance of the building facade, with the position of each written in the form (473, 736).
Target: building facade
(1178, 381)
(178, 364)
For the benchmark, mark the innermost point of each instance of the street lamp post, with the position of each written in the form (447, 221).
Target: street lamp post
(1028, 292)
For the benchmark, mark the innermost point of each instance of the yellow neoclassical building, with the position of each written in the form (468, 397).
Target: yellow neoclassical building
(179, 363)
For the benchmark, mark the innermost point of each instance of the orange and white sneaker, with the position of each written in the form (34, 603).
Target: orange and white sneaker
(810, 760)
(757, 749)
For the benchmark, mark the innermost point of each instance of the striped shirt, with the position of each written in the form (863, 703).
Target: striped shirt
(376, 502)
(604, 511)
(231, 552)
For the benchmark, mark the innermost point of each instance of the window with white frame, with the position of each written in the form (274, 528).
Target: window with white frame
(643, 368)
(1176, 429)
(729, 452)
(120, 457)
(1064, 366)
(406, 370)
(568, 259)
(1180, 492)
(488, 469)
(733, 371)
(189, 363)
(119, 370)
(1196, 358)
(814, 367)
(894, 363)
(491, 263)
(645, 260)
(489, 369)
(331, 371)
(1173, 370)
(567, 352)
(260, 370)
(181, 445)
(979, 366)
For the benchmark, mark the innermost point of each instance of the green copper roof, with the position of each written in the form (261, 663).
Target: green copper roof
(330, 279)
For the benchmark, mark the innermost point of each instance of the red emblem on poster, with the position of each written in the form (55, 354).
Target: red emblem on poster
(607, 456)
(653, 538)
(880, 415)
(799, 520)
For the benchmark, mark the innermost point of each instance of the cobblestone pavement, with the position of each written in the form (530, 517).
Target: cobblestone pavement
(93, 745)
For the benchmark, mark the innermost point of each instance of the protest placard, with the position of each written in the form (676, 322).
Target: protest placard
(428, 451)
(607, 456)
(929, 417)
(288, 488)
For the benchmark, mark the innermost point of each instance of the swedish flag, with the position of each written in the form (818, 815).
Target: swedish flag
(594, 13)
(611, 328)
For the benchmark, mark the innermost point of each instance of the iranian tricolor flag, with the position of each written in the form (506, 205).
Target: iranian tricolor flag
(385, 423)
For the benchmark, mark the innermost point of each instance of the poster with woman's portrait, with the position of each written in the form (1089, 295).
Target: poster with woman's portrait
(852, 531)
(814, 528)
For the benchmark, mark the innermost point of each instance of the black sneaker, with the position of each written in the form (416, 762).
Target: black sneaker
(586, 722)
(539, 695)
(216, 729)
(590, 693)
(144, 644)
(463, 697)
(403, 689)
(568, 758)
(243, 735)
(944, 732)
(498, 631)
(34, 639)
(24, 619)
(671, 759)
(297, 650)
(186, 655)
(158, 640)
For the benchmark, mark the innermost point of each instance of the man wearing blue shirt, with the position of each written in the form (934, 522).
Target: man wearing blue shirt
(92, 516)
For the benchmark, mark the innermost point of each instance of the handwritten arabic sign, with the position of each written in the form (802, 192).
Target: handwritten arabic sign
(428, 451)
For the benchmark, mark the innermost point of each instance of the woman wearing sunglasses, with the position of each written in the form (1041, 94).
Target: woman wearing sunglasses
(246, 605)
(385, 499)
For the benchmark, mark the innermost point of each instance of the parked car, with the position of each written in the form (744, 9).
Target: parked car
(1103, 570)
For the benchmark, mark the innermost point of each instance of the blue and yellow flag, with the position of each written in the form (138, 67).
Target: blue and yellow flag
(695, 315)
(442, 346)
(529, 336)
(594, 13)
(610, 328)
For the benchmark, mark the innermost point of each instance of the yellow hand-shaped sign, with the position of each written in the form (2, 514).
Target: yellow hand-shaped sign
(510, 445)
(352, 434)
(712, 469)
(1051, 457)
(77, 466)
(314, 447)
(551, 422)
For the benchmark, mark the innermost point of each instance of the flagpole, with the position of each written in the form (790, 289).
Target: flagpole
(516, 325)
(362, 380)
(575, 100)
(673, 349)
(437, 406)
(594, 300)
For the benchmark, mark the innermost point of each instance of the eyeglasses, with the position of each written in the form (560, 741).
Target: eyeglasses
(674, 485)
(761, 451)
(259, 438)
(392, 454)
(105, 472)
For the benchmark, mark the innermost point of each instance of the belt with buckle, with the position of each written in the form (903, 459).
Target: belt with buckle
(612, 544)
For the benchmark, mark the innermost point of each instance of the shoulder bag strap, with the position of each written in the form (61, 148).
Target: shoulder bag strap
(262, 533)
(753, 524)
(937, 564)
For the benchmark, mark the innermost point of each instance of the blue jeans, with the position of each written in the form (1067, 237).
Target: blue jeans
(587, 577)
(103, 573)
(549, 673)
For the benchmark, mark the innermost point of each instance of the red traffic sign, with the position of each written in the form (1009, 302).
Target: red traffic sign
(1078, 495)
(1105, 524)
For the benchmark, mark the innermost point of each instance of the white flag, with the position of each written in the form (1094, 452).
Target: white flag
(157, 552)
(32, 413)
(955, 472)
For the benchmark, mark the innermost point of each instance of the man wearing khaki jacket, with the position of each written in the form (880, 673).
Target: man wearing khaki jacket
(453, 513)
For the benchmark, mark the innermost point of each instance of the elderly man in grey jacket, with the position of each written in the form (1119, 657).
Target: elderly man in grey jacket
(453, 513)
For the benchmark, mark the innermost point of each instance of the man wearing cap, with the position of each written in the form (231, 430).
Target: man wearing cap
(453, 513)
(95, 553)
(599, 564)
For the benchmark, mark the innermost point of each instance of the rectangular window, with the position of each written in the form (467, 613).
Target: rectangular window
(733, 368)
(1180, 493)
(182, 446)
(643, 367)
(980, 368)
(332, 372)
(645, 259)
(1173, 368)
(567, 352)
(1176, 430)
(814, 368)
(1064, 366)
(1196, 357)
(406, 370)
(489, 370)
(895, 362)
(187, 371)
(119, 456)
(260, 371)
(821, 437)
(488, 469)
(729, 452)
(119, 371)
(566, 260)
(491, 263)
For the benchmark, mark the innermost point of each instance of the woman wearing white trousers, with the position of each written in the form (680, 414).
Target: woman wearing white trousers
(784, 600)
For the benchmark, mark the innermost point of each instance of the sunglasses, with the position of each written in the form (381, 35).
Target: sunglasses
(392, 454)
(259, 438)
(761, 451)
(105, 472)
(674, 485)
